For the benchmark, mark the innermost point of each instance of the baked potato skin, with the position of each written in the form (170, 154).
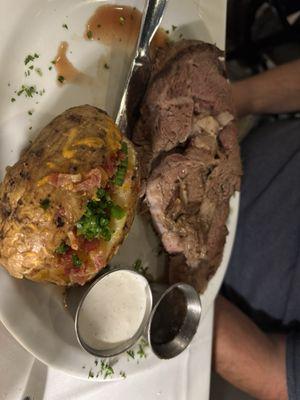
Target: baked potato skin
(46, 192)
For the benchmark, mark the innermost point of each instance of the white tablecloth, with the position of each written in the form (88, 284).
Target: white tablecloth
(186, 377)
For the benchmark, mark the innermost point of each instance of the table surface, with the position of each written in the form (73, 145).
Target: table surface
(186, 377)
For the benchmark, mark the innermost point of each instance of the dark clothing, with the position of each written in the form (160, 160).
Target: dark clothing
(263, 276)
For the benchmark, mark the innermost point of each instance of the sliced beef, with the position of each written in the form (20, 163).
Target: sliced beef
(189, 155)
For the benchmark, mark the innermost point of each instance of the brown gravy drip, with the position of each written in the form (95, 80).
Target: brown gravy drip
(119, 24)
(64, 67)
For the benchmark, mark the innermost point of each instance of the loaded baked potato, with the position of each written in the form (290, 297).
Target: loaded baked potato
(69, 201)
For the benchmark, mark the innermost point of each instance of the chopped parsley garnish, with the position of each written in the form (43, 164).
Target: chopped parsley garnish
(141, 348)
(138, 267)
(123, 374)
(174, 27)
(97, 216)
(62, 248)
(53, 62)
(45, 203)
(28, 91)
(89, 34)
(61, 79)
(65, 26)
(106, 66)
(122, 167)
(30, 58)
(106, 369)
(50, 68)
(131, 353)
(12, 99)
(141, 351)
(76, 260)
(91, 374)
(39, 71)
(31, 67)
(122, 20)
(30, 112)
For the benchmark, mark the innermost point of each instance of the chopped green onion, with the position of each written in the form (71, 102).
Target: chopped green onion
(76, 260)
(117, 212)
(62, 248)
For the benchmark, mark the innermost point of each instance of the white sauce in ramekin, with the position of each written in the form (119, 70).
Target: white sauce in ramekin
(113, 310)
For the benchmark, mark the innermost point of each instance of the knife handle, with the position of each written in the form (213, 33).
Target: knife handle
(151, 20)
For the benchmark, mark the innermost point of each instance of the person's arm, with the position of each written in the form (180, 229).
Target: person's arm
(273, 91)
(246, 357)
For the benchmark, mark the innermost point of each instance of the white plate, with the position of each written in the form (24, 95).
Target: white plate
(34, 313)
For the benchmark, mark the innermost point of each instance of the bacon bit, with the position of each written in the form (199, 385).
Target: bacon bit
(59, 180)
(66, 261)
(90, 245)
(93, 180)
(73, 240)
(110, 165)
(98, 260)
(78, 275)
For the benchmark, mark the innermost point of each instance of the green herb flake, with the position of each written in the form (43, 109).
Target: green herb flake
(141, 351)
(28, 59)
(96, 362)
(122, 374)
(106, 66)
(31, 67)
(30, 112)
(174, 27)
(89, 35)
(12, 99)
(36, 55)
(131, 353)
(62, 248)
(106, 369)
(76, 260)
(65, 26)
(30, 128)
(50, 68)
(39, 71)
(91, 374)
(61, 79)
(122, 20)
(28, 91)
(53, 62)
(167, 31)
(45, 203)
